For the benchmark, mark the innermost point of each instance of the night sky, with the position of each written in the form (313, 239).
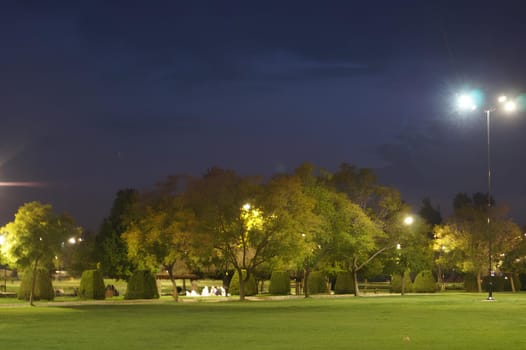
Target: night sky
(96, 96)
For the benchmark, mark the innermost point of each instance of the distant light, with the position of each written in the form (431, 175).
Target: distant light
(466, 102)
(2, 239)
(398, 246)
(510, 106)
(409, 220)
(246, 206)
(502, 99)
(72, 240)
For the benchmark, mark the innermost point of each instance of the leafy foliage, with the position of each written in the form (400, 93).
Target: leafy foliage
(249, 223)
(36, 236)
(111, 250)
(92, 285)
(161, 231)
(467, 234)
(430, 214)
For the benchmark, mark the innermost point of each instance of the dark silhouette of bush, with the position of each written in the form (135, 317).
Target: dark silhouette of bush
(317, 283)
(142, 285)
(470, 282)
(251, 287)
(43, 286)
(279, 283)
(425, 282)
(92, 285)
(501, 283)
(344, 283)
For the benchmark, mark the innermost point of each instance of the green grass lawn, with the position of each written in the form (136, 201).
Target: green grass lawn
(441, 321)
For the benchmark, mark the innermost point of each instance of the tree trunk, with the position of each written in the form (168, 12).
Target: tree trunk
(306, 282)
(33, 282)
(403, 283)
(241, 284)
(479, 281)
(512, 282)
(175, 294)
(355, 277)
(440, 278)
(298, 286)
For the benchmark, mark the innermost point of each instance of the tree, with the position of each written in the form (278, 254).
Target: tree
(514, 261)
(249, 223)
(354, 236)
(36, 235)
(111, 250)
(430, 214)
(383, 205)
(468, 232)
(161, 233)
(413, 251)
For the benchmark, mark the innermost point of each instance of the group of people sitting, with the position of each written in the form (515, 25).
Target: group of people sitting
(212, 291)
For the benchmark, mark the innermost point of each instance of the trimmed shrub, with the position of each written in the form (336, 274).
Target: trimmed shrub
(344, 283)
(470, 282)
(142, 285)
(317, 283)
(251, 287)
(396, 283)
(92, 285)
(43, 286)
(425, 282)
(279, 283)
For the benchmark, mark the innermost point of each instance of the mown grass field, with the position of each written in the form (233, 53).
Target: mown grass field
(441, 321)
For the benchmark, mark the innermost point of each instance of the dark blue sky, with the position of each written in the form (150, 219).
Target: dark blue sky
(96, 96)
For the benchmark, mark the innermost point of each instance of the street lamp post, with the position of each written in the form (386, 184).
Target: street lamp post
(490, 263)
(467, 102)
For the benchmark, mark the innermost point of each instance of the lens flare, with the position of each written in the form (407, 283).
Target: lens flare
(21, 184)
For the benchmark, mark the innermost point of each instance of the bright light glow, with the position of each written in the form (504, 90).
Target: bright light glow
(502, 99)
(398, 246)
(2, 239)
(409, 220)
(246, 206)
(72, 240)
(510, 106)
(466, 102)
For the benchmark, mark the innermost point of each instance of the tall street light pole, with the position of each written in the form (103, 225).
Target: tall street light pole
(468, 102)
(490, 264)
